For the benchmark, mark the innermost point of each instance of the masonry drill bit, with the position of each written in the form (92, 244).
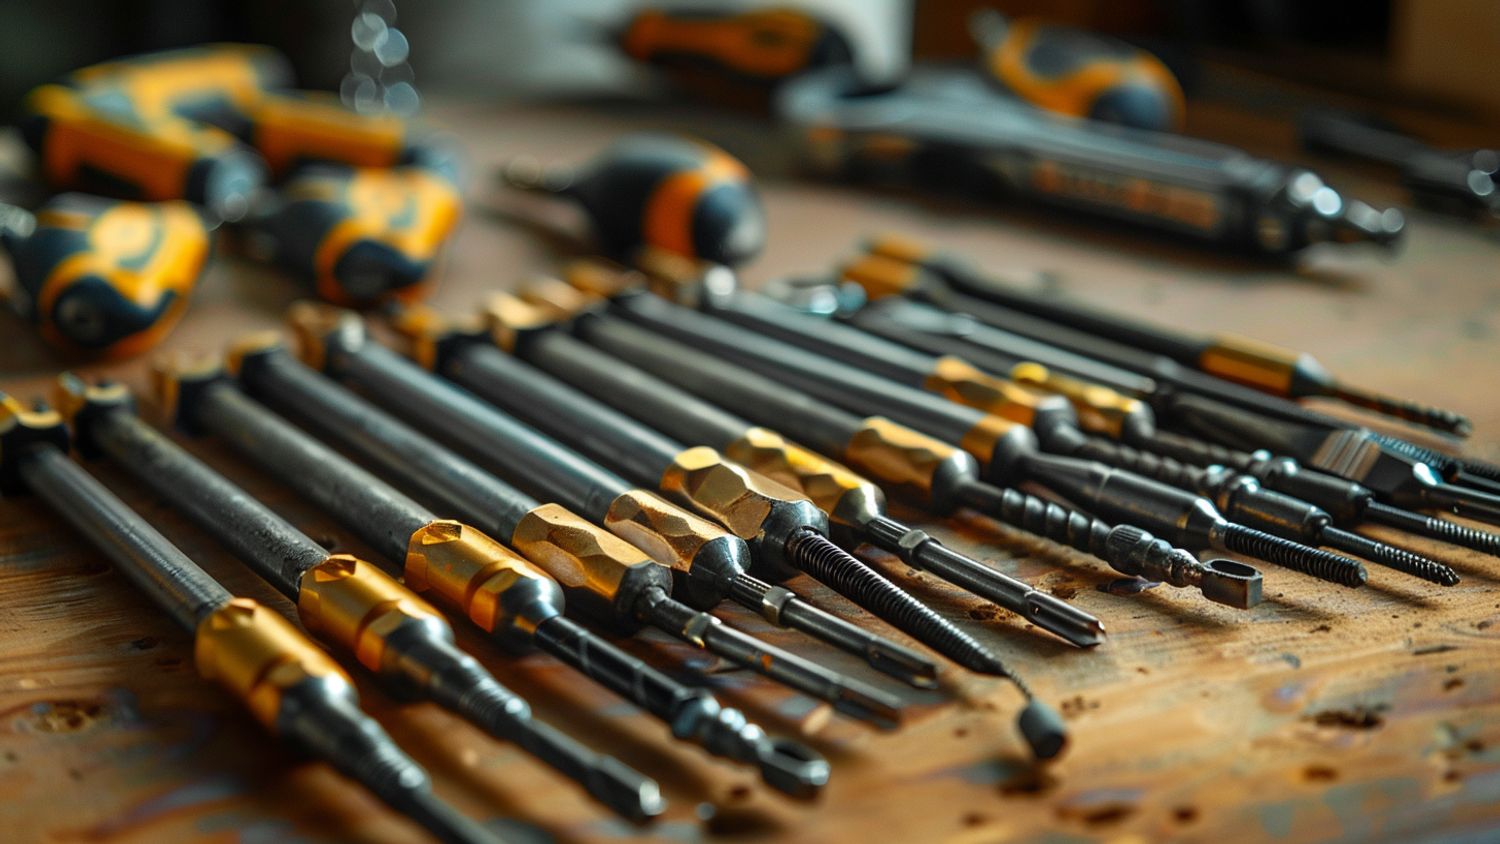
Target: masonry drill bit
(556, 539)
(1109, 409)
(782, 525)
(706, 573)
(1007, 451)
(287, 683)
(650, 602)
(509, 598)
(1260, 366)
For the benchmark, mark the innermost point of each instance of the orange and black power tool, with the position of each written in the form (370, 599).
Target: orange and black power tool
(737, 56)
(102, 276)
(659, 193)
(1077, 73)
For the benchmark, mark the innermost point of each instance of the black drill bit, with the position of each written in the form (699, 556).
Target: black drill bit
(834, 431)
(1007, 451)
(548, 531)
(294, 689)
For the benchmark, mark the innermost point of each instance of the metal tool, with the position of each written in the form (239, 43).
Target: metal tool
(1007, 452)
(782, 526)
(1281, 372)
(634, 597)
(286, 682)
(708, 569)
(1462, 182)
(1078, 73)
(546, 534)
(659, 192)
(517, 604)
(1240, 498)
(101, 276)
(342, 599)
(945, 130)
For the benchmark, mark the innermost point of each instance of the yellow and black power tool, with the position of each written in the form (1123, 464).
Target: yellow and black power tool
(102, 276)
(757, 47)
(1077, 73)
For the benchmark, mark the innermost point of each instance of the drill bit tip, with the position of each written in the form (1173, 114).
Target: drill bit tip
(1043, 729)
(1231, 583)
(1062, 618)
(793, 768)
(625, 791)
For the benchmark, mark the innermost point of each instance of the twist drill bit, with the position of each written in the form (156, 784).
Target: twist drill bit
(653, 603)
(939, 475)
(385, 626)
(503, 594)
(286, 682)
(552, 537)
(691, 545)
(1260, 366)
(1006, 451)
(768, 515)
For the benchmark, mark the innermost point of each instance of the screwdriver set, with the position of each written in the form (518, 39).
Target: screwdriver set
(640, 478)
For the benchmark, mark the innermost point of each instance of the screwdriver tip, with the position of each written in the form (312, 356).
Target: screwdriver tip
(625, 791)
(869, 705)
(1063, 619)
(793, 768)
(905, 665)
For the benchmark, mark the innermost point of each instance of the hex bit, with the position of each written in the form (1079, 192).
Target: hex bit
(1007, 452)
(784, 525)
(1056, 424)
(508, 597)
(554, 538)
(1100, 397)
(706, 577)
(938, 475)
(653, 605)
(1281, 372)
(288, 684)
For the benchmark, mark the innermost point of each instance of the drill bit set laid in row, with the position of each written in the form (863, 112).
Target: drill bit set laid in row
(593, 450)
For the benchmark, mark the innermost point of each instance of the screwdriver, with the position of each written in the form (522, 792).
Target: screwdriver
(943, 477)
(1240, 499)
(998, 328)
(102, 276)
(1280, 372)
(708, 570)
(658, 192)
(286, 682)
(758, 46)
(1007, 451)
(855, 506)
(944, 130)
(782, 526)
(1102, 410)
(347, 601)
(648, 599)
(1462, 182)
(1077, 73)
(590, 561)
(514, 602)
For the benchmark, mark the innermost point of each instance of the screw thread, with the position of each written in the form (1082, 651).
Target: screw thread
(1443, 464)
(1480, 467)
(1390, 556)
(1410, 411)
(1435, 528)
(1132, 550)
(1312, 561)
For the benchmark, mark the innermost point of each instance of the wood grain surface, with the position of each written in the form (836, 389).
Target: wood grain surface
(1323, 714)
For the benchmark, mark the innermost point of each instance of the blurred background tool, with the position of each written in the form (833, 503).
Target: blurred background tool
(939, 476)
(661, 192)
(1070, 71)
(945, 131)
(545, 533)
(286, 682)
(517, 604)
(1281, 372)
(103, 277)
(1456, 181)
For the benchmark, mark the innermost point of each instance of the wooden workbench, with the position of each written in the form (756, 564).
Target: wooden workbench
(1323, 714)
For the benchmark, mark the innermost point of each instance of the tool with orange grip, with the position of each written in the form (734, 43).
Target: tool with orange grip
(103, 276)
(1078, 73)
(761, 47)
(659, 192)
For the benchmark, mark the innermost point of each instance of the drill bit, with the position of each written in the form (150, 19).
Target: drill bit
(560, 542)
(766, 514)
(943, 477)
(290, 686)
(200, 398)
(1006, 451)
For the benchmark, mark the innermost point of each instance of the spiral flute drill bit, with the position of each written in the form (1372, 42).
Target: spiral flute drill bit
(548, 535)
(289, 685)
